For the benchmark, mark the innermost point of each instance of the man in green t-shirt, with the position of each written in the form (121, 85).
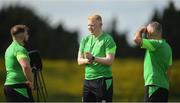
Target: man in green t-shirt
(158, 59)
(18, 84)
(97, 52)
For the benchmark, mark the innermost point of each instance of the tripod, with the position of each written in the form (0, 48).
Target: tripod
(39, 85)
(38, 81)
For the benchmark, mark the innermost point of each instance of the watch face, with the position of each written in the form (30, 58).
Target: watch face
(93, 58)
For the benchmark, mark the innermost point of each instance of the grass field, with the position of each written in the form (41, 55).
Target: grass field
(64, 80)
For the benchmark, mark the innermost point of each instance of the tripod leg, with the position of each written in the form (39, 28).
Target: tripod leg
(44, 83)
(36, 85)
(41, 88)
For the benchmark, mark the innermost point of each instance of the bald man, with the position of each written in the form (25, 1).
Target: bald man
(157, 62)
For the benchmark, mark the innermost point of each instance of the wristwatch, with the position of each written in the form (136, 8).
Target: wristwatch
(93, 58)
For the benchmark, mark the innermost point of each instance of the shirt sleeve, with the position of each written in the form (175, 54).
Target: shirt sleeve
(110, 46)
(150, 44)
(21, 54)
(81, 46)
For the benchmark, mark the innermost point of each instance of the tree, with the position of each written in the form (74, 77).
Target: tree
(170, 23)
(123, 48)
(52, 42)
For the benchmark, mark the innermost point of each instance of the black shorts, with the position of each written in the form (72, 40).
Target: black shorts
(160, 95)
(98, 90)
(13, 96)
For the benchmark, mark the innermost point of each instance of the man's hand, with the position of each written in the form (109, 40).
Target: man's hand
(88, 56)
(84, 58)
(138, 35)
(143, 29)
(30, 84)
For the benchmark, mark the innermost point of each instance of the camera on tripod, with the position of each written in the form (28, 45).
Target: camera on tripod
(35, 60)
(38, 81)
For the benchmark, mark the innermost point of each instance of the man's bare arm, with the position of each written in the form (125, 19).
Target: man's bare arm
(108, 60)
(27, 70)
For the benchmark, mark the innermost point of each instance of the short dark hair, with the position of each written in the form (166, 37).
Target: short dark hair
(157, 26)
(17, 29)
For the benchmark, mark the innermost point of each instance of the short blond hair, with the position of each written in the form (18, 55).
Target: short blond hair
(95, 17)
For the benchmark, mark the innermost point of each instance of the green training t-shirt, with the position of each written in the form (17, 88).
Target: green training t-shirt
(158, 58)
(98, 47)
(14, 70)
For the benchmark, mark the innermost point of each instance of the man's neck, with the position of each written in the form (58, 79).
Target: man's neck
(98, 34)
(158, 37)
(19, 41)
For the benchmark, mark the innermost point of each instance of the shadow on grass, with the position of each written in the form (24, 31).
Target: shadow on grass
(62, 98)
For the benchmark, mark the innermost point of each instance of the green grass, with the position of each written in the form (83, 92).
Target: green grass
(64, 80)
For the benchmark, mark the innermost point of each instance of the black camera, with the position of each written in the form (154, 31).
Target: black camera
(35, 60)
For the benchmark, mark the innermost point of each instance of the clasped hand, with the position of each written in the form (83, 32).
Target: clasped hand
(89, 56)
